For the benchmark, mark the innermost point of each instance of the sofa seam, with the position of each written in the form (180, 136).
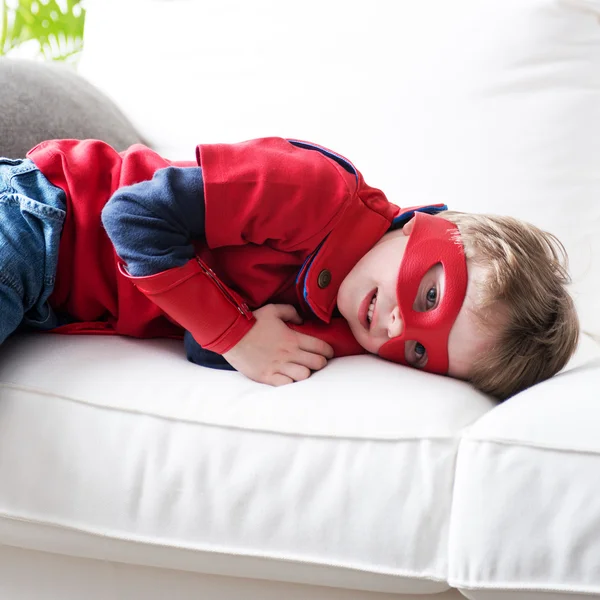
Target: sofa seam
(389, 439)
(532, 445)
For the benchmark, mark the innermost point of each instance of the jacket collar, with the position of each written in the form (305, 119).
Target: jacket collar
(324, 270)
(358, 230)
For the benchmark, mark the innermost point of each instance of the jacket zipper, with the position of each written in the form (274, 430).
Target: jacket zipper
(243, 308)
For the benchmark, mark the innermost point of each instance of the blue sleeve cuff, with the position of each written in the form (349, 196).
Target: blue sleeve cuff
(205, 358)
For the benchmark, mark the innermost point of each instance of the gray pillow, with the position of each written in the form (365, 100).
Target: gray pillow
(43, 101)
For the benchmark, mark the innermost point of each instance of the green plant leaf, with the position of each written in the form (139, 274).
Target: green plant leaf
(56, 27)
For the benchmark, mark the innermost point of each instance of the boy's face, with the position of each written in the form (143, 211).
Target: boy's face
(368, 300)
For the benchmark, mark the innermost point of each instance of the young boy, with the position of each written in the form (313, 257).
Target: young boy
(273, 256)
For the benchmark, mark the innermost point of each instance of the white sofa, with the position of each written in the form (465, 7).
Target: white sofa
(126, 472)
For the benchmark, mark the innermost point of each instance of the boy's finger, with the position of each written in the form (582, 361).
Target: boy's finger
(278, 379)
(286, 312)
(314, 345)
(314, 362)
(295, 371)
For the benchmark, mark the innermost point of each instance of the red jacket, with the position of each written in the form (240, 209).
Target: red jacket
(285, 223)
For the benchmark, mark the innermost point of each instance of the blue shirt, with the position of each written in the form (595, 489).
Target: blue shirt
(152, 223)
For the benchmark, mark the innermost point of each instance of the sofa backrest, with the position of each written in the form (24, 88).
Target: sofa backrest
(486, 105)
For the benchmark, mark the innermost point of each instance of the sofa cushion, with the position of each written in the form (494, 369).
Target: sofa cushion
(42, 101)
(526, 506)
(121, 450)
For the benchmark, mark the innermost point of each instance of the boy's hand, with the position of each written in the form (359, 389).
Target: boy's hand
(272, 353)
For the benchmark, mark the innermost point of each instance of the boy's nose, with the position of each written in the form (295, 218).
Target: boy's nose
(395, 324)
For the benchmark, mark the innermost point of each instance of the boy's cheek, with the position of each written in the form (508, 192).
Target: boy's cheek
(367, 342)
(344, 304)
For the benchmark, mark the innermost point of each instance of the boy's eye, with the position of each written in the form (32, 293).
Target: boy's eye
(431, 298)
(416, 354)
(420, 355)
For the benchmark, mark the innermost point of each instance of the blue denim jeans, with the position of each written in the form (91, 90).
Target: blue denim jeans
(32, 213)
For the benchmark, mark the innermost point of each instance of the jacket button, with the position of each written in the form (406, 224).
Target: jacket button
(324, 278)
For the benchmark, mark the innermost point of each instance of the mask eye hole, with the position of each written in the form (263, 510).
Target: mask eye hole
(429, 292)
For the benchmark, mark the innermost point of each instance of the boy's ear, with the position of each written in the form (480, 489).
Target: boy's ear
(407, 229)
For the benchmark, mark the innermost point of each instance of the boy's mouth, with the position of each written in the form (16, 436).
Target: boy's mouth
(367, 309)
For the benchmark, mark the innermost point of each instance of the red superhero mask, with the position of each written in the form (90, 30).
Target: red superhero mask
(432, 241)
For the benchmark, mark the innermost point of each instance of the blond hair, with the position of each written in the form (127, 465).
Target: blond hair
(522, 301)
